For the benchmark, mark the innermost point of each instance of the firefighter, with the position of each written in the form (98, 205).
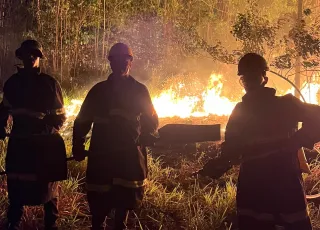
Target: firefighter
(33, 101)
(262, 135)
(123, 116)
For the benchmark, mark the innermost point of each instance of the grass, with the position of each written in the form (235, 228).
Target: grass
(174, 198)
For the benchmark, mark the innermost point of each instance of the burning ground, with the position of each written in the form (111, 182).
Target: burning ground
(174, 198)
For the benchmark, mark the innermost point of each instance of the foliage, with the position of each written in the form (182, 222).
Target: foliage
(254, 31)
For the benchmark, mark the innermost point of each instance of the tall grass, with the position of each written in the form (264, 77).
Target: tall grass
(174, 199)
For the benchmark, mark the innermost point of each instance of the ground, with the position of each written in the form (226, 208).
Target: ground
(174, 198)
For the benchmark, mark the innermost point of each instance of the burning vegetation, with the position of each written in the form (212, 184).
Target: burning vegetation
(177, 45)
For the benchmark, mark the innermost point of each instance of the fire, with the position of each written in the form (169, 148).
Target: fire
(72, 111)
(310, 92)
(210, 101)
(197, 101)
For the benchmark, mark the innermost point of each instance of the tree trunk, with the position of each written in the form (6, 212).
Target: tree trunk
(55, 55)
(298, 60)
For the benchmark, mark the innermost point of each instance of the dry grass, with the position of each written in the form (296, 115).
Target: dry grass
(174, 199)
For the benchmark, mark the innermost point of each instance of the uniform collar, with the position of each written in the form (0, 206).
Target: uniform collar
(113, 78)
(33, 71)
(259, 94)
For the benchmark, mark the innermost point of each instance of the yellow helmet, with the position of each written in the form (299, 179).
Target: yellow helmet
(120, 49)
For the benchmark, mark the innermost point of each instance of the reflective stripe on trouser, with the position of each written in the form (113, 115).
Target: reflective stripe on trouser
(125, 114)
(285, 217)
(116, 112)
(22, 176)
(116, 181)
(38, 115)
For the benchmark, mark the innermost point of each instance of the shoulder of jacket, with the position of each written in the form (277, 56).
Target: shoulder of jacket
(238, 107)
(140, 86)
(98, 87)
(11, 80)
(49, 78)
(289, 98)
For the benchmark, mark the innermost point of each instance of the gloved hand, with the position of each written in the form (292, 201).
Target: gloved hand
(79, 153)
(214, 168)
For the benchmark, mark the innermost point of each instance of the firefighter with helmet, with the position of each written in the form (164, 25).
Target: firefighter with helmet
(36, 157)
(122, 114)
(261, 134)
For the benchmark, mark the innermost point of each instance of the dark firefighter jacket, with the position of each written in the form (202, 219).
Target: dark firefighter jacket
(121, 113)
(270, 184)
(36, 152)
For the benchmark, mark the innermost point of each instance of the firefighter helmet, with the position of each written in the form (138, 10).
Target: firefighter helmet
(120, 49)
(252, 63)
(31, 47)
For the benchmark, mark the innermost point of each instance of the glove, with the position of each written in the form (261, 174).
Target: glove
(79, 154)
(215, 168)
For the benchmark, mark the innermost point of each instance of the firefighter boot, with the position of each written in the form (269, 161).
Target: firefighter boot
(51, 214)
(98, 222)
(14, 215)
(121, 216)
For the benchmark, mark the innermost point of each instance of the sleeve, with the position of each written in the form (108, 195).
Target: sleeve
(4, 113)
(149, 118)
(309, 115)
(56, 115)
(230, 154)
(233, 134)
(83, 123)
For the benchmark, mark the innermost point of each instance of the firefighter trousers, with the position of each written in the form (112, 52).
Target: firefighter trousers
(247, 223)
(100, 208)
(51, 213)
(120, 220)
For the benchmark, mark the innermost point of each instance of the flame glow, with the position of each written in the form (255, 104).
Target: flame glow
(310, 92)
(210, 101)
(198, 102)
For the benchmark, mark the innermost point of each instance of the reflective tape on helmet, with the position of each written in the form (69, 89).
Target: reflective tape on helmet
(22, 176)
(129, 184)
(98, 187)
(124, 114)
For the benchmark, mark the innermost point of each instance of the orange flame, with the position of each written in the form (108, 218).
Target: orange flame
(169, 104)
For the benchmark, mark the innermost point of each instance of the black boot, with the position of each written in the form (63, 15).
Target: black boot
(121, 217)
(51, 214)
(14, 215)
(98, 222)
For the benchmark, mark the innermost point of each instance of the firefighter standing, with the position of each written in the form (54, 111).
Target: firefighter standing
(34, 101)
(262, 132)
(122, 114)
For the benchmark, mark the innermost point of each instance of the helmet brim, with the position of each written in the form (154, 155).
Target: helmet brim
(21, 51)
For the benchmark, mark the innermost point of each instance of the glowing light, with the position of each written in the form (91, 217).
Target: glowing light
(210, 101)
(198, 100)
(310, 92)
